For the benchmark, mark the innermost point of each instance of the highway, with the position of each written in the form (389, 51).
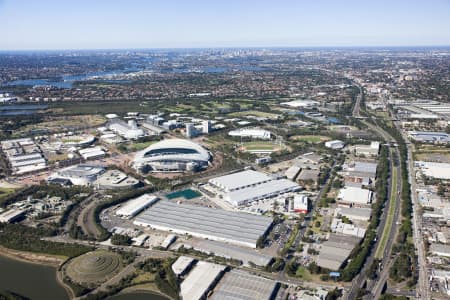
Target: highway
(361, 278)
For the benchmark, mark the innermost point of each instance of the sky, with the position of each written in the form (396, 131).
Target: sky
(115, 24)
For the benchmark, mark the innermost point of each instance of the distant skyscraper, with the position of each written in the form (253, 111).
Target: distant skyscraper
(190, 130)
(206, 126)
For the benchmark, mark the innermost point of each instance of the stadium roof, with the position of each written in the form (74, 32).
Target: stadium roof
(216, 224)
(173, 149)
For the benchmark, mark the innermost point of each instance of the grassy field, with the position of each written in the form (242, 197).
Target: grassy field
(139, 146)
(4, 192)
(58, 123)
(310, 138)
(254, 113)
(303, 273)
(261, 146)
(390, 217)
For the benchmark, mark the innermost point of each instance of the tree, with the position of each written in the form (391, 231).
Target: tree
(119, 239)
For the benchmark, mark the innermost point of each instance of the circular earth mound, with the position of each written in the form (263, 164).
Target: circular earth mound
(93, 267)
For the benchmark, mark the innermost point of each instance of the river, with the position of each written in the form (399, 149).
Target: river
(38, 282)
(35, 281)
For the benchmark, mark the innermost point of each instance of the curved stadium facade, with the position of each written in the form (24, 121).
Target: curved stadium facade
(172, 155)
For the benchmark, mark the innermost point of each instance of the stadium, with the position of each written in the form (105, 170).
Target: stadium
(172, 155)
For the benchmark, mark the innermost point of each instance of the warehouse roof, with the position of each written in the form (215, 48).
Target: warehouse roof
(235, 252)
(261, 190)
(240, 179)
(360, 213)
(135, 205)
(238, 285)
(181, 264)
(335, 251)
(200, 280)
(355, 195)
(227, 226)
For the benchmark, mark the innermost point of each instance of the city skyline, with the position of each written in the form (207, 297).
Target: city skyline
(54, 25)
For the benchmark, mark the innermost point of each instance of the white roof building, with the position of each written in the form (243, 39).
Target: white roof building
(336, 144)
(200, 280)
(90, 153)
(301, 204)
(132, 207)
(244, 187)
(181, 264)
(301, 103)
(435, 170)
(354, 196)
(255, 133)
(11, 215)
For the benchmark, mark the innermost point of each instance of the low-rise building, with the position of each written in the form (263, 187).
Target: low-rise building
(335, 144)
(353, 196)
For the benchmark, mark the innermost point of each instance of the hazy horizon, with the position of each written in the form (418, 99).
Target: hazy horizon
(136, 24)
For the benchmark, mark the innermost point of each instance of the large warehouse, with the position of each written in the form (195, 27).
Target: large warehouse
(247, 186)
(238, 284)
(215, 224)
(172, 155)
(132, 207)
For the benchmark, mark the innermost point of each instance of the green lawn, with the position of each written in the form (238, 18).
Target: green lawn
(256, 113)
(310, 138)
(303, 273)
(390, 217)
(139, 146)
(259, 146)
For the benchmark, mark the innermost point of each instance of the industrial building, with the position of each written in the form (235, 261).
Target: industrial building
(435, 170)
(255, 133)
(354, 213)
(11, 215)
(23, 155)
(127, 130)
(300, 204)
(354, 196)
(92, 153)
(238, 284)
(440, 249)
(430, 137)
(340, 227)
(366, 150)
(204, 222)
(182, 265)
(172, 155)
(247, 186)
(335, 251)
(201, 280)
(78, 175)
(335, 145)
(133, 207)
(245, 255)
